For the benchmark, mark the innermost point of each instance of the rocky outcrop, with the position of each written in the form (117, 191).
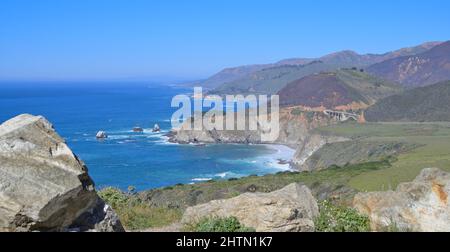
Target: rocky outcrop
(43, 185)
(309, 146)
(101, 135)
(295, 125)
(291, 209)
(421, 205)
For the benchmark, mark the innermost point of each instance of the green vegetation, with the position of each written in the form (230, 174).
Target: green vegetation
(271, 80)
(426, 104)
(216, 224)
(164, 206)
(135, 214)
(334, 218)
(114, 197)
(332, 182)
(296, 111)
(331, 89)
(433, 140)
(308, 114)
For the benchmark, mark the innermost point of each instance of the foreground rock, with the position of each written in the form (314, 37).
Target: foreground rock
(43, 185)
(291, 209)
(422, 205)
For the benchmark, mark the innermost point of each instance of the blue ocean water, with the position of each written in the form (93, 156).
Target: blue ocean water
(144, 160)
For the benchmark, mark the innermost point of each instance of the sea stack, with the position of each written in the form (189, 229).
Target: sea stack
(138, 130)
(156, 128)
(101, 135)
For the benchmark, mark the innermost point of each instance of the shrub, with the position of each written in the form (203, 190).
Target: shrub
(216, 224)
(136, 215)
(296, 112)
(114, 197)
(340, 219)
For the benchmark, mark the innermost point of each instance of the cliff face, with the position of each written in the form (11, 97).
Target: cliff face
(295, 131)
(308, 147)
(43, 185)
(294, 127)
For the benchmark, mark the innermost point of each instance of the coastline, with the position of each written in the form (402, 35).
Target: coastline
(278, 161)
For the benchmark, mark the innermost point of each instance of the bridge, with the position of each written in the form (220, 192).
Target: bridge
(341, 115)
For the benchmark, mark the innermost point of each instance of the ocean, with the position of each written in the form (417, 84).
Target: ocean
(143, 160)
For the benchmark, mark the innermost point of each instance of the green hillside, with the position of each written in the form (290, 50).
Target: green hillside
(426, 104)
(271, 80)
(338, 88)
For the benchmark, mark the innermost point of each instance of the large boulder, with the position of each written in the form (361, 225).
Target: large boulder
(291, 209)
(43, 185)
(422, 205)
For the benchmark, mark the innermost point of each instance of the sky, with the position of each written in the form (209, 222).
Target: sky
(143, 39)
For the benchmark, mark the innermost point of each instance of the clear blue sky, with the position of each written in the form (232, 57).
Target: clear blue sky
(94, 39)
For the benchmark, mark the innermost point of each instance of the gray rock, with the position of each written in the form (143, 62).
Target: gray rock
(291, 209)
(421, 205)
(101, 135)
(43, 185)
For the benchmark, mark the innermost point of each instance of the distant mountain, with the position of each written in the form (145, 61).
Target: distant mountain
(270, 78)
(229, 75)
(422, 69)
(349, 57)
(424, 104)
(344, 88)
(408, 51)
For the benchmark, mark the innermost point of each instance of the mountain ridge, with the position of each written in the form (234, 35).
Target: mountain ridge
(344, 58)
(348, 88)
(422, 69)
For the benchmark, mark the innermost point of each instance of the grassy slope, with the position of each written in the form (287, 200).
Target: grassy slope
(271, 80)
(435, 151)
(332, 182)
(369, 86)
(425, 104)
(164, 206)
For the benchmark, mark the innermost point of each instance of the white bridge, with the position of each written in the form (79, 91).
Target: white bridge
(340, 115)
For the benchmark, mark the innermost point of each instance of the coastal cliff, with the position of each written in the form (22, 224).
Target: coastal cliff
(295, 123)
(295, 132)
(43, 185)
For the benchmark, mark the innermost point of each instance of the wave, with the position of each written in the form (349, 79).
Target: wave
(222, 175)
(201, 179)
(274, 162)
(229, 174)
